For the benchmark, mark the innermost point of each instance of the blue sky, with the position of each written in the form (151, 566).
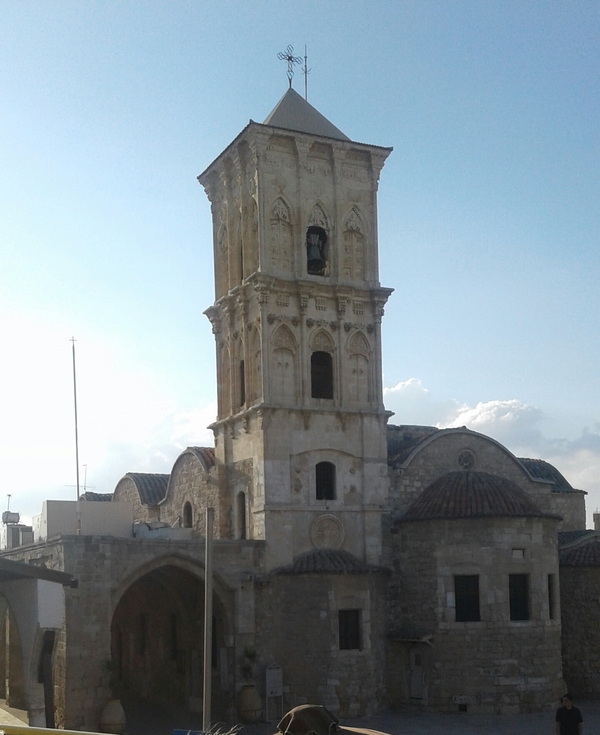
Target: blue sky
(488, 216)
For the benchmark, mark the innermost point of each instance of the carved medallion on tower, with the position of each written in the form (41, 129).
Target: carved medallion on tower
(327, 532)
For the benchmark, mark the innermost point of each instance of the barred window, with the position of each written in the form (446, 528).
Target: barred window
(325, 481)
(466, 593)
(349, 630)
(518, 592)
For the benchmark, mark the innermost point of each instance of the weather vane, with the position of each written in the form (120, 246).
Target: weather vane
(291, 60)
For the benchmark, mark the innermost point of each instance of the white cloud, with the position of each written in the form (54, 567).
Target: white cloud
(508, 421)
(414, 404)
(518, 426)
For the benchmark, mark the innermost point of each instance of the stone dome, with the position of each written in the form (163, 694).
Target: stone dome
(468, 494)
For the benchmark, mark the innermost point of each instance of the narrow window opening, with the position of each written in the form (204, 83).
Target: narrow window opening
(551, 597)
(325, 481)
(518, 592)
(242, 383)
(466, 592)
(321, 375)
(463, 707)
(241, 515)
(316, 251)
(349, 630)
(187, 515)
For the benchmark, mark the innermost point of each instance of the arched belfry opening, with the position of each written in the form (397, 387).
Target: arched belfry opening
(157, 647)
(316, 251)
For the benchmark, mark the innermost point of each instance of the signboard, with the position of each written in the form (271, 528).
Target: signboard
(274, 681)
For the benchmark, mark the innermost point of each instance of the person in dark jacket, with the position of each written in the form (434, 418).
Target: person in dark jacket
(568, 718)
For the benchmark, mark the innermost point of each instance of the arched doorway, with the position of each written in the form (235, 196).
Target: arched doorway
(157, 647)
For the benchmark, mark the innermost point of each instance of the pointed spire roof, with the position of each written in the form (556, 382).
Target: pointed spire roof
(293, 112)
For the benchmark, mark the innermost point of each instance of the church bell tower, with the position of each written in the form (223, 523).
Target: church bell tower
(300, 436)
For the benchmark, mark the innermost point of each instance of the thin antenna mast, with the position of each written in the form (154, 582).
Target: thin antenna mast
(76, 439)
(306, 72)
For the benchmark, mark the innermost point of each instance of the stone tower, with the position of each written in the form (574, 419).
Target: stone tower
(300, 433)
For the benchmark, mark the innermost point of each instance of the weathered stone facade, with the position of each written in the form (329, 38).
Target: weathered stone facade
(580, 600)
(493, 664)
(328, 560)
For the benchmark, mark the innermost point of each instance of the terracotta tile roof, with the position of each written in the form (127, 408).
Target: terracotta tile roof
(151, 487)
(401, 440)
(585, 554)
(328, 561)
(467, 494)
(541, 470)
(568, 537)
(206, 455)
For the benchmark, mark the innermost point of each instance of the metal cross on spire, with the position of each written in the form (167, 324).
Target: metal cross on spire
(291, 60)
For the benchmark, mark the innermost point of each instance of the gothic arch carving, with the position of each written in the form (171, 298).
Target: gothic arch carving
(358, 383)
(353, 245)
(280, 210)
(254, 371)
(223, 217)
(318, 217)
(354, 221)
(281, 236)
(321, 342)
(283, 365)
(359, 345)
(239, 382)
(284, 339)
(224, 382)
(251, 239)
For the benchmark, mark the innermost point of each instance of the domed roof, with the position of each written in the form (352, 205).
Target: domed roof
(327, 561)
(586, 553)
(467, 494)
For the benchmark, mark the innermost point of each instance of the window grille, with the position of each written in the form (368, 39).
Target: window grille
(466, 593)
(518, 591)
(349, 630)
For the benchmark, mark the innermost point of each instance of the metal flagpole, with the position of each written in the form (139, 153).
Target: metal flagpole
(76, 440)
(208, 608)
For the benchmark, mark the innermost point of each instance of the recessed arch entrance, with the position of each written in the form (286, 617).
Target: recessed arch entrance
(157, 642)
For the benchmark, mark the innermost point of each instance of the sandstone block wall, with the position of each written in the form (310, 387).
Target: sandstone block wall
(297, 628)
(580, 601)
(492, 665)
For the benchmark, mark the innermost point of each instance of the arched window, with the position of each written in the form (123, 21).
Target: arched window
(241, 515)
(316, 251)
(321, 374)
(325, 481)
(187, 515)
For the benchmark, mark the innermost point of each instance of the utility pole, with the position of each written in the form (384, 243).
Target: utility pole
(76, 440)
(208, 609)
